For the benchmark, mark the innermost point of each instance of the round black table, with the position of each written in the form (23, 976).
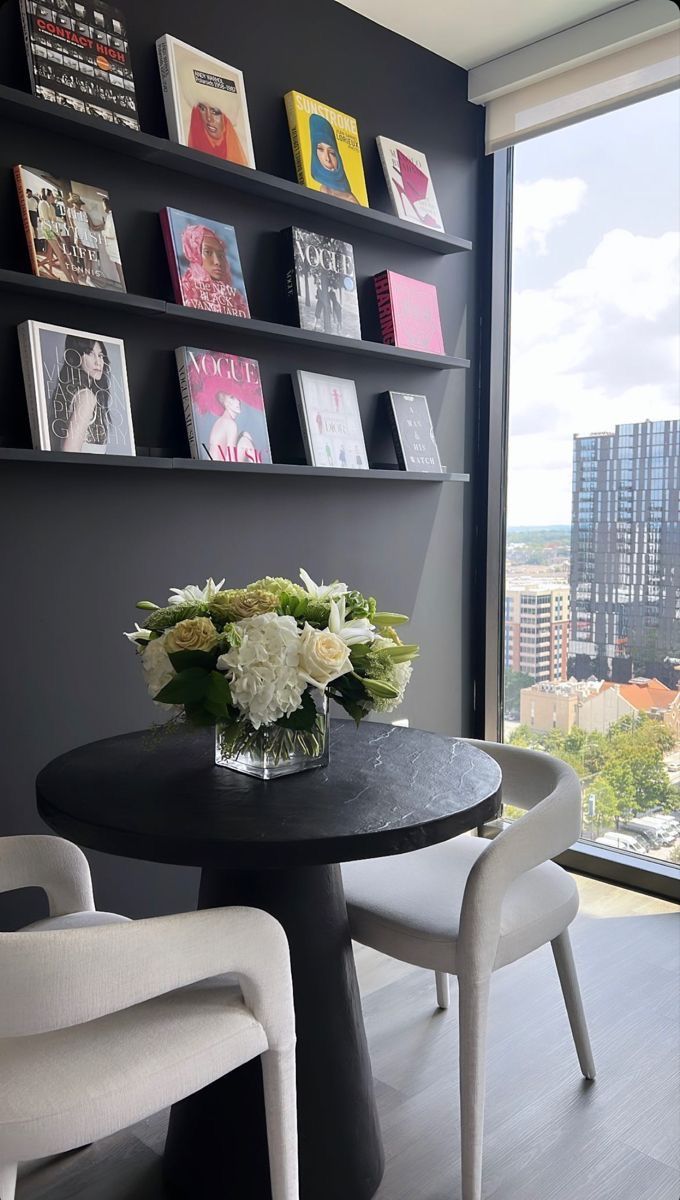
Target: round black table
(276, 846)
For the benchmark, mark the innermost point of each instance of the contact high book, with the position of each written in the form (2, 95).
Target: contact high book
(414, 439)
(409, 183)
(409, 313)
(326, 149)
(223, 406)
(205, 102)
(204, 263)
(322, 285)
(330, 420)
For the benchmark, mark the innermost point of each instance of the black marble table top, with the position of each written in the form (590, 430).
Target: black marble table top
(387, 790)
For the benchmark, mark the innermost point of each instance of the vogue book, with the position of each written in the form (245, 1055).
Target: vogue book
(326, 149)
(409, 313)
(223, 406)
(330, 420)
(322, 285)
(69, 229)
(414, 439)
(78, 56)
(205, 102)
(76, 390)
(204, 263)
(409, 183)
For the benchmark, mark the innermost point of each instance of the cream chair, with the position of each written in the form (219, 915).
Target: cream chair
(104, 1021)
(470, 905)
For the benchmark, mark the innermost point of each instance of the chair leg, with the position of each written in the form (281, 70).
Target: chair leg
(443, 991)
(8, 1181)
(280, 1099)
(473, 1007)
(566, 969)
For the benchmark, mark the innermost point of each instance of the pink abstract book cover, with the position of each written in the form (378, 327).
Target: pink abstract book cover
(409, 313)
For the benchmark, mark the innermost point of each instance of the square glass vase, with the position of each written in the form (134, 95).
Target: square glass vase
(271, 751)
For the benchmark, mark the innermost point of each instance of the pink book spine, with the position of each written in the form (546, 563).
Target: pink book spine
(385, 311)
(172, 257)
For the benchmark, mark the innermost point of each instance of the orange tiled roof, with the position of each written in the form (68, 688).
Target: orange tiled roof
(644, 696)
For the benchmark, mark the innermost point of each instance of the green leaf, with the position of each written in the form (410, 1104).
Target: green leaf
(359, 650)
(188, 687)
(182, 659)
(386, 618)
(197, 714)
(303, 718)
(218, 695)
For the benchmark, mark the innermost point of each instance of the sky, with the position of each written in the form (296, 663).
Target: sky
(595, 318)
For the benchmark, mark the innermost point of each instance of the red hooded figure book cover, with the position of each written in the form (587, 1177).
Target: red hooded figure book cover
(409, 313)
(204, 263)
(223, 406)
(205, 102)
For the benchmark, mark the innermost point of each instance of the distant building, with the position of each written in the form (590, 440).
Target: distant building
(537, 628)
(625, 552)
(546, 706)
(595, 705)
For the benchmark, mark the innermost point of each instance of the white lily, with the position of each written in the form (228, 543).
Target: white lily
(354, 632)
(192, 594)
(321, 591)
(139, 637)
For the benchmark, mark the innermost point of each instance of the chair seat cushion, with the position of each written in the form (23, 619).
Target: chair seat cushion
(408, 906)
(78, 1084)
(78, 920)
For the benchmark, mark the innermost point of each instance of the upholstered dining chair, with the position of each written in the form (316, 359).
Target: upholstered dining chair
(471, 905)
(104, 1021)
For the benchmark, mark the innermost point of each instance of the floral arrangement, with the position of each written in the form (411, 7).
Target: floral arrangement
(252, 658)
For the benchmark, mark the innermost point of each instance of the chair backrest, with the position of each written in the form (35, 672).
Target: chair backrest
(50, 863)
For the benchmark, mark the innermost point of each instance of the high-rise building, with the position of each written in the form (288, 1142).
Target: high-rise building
(625, 553)
(537, 628)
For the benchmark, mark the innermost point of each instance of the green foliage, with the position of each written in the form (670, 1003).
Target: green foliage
(203, 694)
(181, 659)
(164, 618)
(304, 718)
(514, 682)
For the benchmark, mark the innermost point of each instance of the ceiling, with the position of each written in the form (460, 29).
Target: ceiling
(470, 32)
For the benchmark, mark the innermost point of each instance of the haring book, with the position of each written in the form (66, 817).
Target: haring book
(205, 102)
(223, 406)
(326, 149)
(69, 229)
(204, 263)
(322, 285)
(414, 439)
(78, 56)
(410, 184)
(330, 420)
(409, 313)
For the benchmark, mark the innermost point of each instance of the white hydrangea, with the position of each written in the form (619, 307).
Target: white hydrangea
(263, 670)
(158, 670)
(401, 673)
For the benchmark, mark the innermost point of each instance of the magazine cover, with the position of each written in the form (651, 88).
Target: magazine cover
(326, 149)
(409, 183)
(414, 439)
(77, 390)
(205, 102)
(223, 406)
(204, 263)
(69, 229)
(409, 313)
(330, 420)
(78, 56)
(322, 283)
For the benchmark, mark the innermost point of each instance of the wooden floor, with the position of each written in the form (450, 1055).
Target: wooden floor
(549, 1134)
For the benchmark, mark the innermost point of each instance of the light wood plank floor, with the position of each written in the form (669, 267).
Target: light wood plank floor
(549, 1134)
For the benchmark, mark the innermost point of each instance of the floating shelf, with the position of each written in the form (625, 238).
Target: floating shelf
(22, 107)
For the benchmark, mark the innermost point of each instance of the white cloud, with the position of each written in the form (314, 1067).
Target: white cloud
(540, 207)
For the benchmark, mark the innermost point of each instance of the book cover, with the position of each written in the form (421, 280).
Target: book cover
(322, 283)
(409, 313)
(204, 263)
(78, 56)
(414, 439)
(326, 149)
(77, 390)
(330, 420)
(409, 183)
(205, 102)
(70, 230)
(223, 406)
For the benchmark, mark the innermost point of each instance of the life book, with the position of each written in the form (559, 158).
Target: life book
(326, 149)
(330, 420)
(322, 285)
(409, 183)
(69, 229)
(409, 313)
(204, 263)
(223, 406)
(205, 102)
(413, 434)
(76, 390)
(78, 56)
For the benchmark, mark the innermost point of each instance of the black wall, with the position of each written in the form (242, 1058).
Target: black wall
(79, 544)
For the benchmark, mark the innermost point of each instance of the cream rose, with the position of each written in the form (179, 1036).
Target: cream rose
(196, 633)
(323, 656)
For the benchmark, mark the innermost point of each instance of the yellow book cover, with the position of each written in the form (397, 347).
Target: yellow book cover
(326, 149)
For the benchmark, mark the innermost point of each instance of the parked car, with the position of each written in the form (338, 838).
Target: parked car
(622, 841)
(642, 829)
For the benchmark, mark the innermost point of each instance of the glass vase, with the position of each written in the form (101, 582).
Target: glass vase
(271, 751)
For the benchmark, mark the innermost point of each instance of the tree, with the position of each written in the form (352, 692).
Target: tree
(637, 774)
(603, 810)
(514, 682)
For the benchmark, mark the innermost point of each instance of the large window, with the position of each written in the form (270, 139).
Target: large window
(592, 610)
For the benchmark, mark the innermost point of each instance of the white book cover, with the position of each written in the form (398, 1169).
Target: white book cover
(76, 390)
(409, 183)
(205, 102)
(331, 424)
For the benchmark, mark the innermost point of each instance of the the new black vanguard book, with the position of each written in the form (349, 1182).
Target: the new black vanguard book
(322, 284)
(78, 56)
(414, 439)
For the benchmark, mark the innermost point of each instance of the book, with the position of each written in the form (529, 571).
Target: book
(76, 390)
(330, 420)
(414, 439)
(223, 406)
(409, 313)
(70, 230)
(205, 102)
(326, 149)
(322, 285)
(409, 183)
(78, 56)
(204, 263)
